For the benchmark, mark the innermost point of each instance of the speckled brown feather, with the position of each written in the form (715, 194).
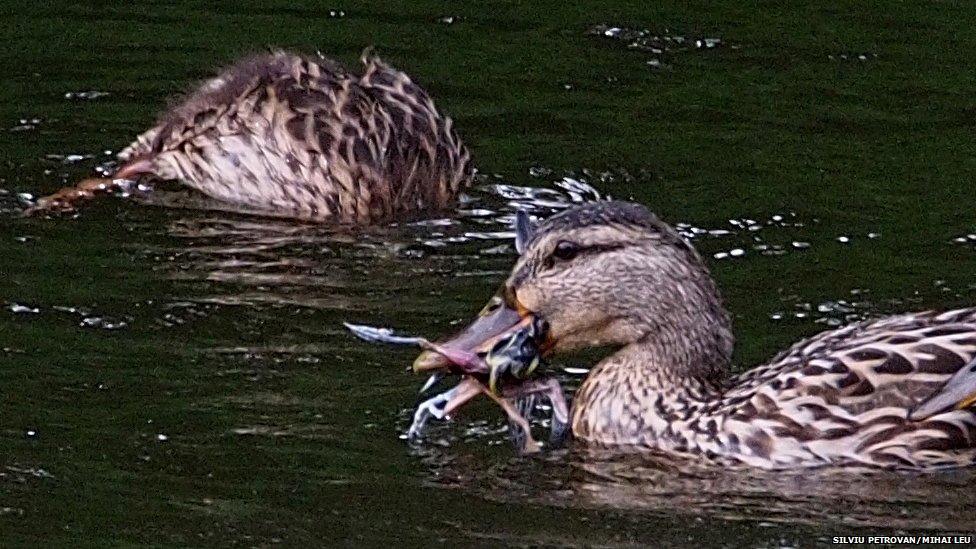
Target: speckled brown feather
(841, 397)
(301, 137)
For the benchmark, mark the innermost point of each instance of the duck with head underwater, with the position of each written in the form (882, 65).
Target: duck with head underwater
(893, 392)
(289, 135)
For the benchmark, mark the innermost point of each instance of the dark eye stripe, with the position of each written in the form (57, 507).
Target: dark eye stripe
(601, 248)
(579, 250)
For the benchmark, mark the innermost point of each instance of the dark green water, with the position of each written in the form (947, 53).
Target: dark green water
(176, 376)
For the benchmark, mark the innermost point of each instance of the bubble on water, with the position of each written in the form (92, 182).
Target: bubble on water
(161, 437)
(661, 45)
(85, 95)
(18, 308)
(843, 239)
(26, 124)
(103, 323)
(852, 57)
(540, 171)
(92, 320)
(831, 312)
(68, 158)
(35, 472)
(449, 19)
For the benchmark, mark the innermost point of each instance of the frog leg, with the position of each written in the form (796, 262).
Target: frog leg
(441, 405)
(552, 390)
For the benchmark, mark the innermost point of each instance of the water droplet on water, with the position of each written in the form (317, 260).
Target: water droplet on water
(660, 45)
(93, 94)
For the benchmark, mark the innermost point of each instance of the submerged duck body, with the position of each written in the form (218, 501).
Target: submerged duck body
(894, 392)
(299, 136)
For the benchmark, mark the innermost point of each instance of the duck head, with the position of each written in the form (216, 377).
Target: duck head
(606, 274)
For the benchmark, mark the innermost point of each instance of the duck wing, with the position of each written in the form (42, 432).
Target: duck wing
(956, 394)
(885, 391)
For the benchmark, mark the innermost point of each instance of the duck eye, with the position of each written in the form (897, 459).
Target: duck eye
(492, 306)
(565, 250)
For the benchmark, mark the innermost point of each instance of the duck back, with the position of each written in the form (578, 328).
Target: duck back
(299, 136)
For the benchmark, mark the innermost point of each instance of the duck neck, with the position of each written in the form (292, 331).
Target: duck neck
(688, 372)
(646, 392)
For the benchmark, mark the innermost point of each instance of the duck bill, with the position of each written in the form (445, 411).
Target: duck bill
(502, 316)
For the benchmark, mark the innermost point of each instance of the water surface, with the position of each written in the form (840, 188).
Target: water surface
(179, 376)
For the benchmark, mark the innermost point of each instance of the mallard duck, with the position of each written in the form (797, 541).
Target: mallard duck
(298, 136)
(892, 392)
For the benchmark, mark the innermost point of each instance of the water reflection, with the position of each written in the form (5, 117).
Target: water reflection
(251, 260)
(662, 485)
(288, 374)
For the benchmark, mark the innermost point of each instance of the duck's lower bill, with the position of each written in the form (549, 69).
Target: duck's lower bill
(500, 318)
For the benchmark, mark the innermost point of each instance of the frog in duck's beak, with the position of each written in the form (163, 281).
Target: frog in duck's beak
(507, 341)
(505, 331)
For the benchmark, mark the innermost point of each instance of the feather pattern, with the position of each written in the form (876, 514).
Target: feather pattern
(841, 397)
(892, 392)
(302, 137)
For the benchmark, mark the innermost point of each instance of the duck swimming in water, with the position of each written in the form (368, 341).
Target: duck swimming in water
(298, 136)
(894, 392)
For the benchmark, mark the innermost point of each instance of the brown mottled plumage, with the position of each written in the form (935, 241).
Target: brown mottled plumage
(893, 392)
(298, 136)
